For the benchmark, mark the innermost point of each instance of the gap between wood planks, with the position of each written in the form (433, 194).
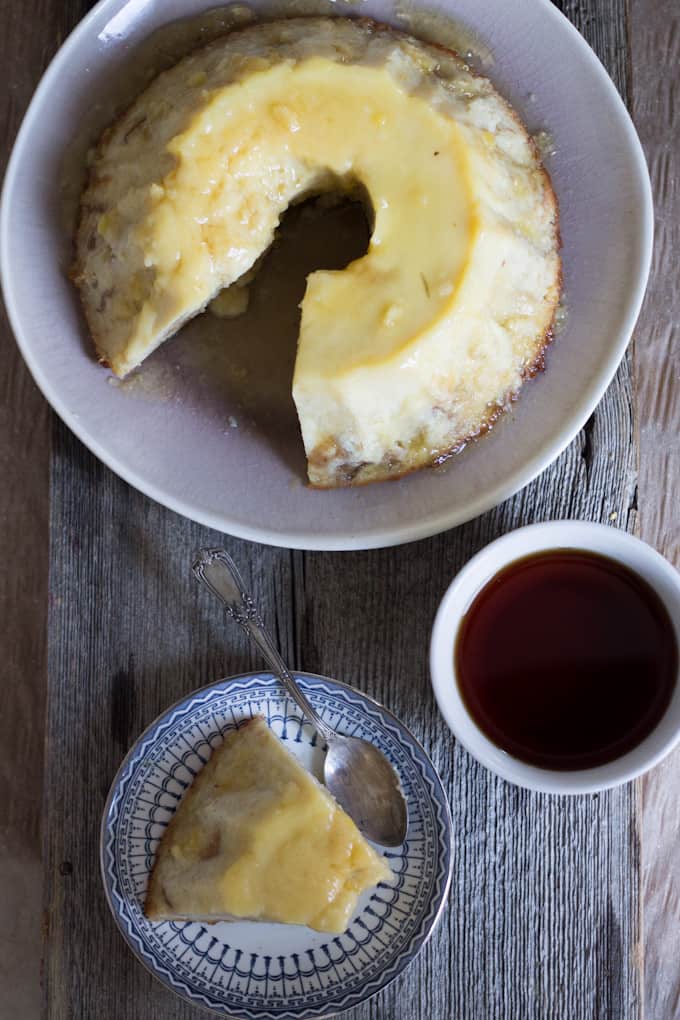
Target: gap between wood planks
(654, 50)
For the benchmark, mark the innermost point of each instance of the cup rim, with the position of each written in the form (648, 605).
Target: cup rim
(605, 540)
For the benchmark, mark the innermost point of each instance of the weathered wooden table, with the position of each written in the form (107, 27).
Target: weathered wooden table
(102, 627)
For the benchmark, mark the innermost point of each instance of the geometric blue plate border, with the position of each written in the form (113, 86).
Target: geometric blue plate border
(257, 971)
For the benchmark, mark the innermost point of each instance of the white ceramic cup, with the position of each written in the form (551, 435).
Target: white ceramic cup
(596, 538)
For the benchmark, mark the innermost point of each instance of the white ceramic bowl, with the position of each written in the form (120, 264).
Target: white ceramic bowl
(180, 449)
(597, 538)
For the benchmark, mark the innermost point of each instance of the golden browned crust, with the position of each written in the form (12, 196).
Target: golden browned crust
(394, 467)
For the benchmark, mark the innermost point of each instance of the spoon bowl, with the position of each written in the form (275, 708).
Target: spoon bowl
(364, 783)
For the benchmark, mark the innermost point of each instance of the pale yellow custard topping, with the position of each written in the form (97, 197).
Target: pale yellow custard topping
(292, 130)
(257, 837)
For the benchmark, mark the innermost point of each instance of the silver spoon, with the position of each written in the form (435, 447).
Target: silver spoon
(357, 774)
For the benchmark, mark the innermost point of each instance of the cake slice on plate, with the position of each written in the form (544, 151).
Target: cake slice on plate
(257, 837)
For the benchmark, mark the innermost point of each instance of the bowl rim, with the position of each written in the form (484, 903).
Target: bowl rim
(343, 539)
(603, 539)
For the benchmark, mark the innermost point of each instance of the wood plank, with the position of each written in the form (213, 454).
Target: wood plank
(24, 474)
(544, 916)
(655, 59)
(24, 439)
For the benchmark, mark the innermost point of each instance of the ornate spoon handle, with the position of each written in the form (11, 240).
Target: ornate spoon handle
(218, 572)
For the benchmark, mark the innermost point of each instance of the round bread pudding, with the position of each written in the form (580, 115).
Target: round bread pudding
(412, 349)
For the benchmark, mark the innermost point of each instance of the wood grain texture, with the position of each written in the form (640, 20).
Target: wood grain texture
(544, 915)
(24, 484)
(655, 67)
(24, 439)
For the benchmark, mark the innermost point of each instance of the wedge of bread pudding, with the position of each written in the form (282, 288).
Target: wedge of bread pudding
(256, 837)
(413, 348)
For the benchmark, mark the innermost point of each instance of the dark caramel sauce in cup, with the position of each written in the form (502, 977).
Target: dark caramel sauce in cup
(566, 659)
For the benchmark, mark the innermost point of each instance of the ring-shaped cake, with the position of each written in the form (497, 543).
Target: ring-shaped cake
(410, 350)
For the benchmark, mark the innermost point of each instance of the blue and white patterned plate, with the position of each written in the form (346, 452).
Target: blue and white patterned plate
(256, 971)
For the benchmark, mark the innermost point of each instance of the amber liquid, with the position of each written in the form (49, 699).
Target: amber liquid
(566, 659)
